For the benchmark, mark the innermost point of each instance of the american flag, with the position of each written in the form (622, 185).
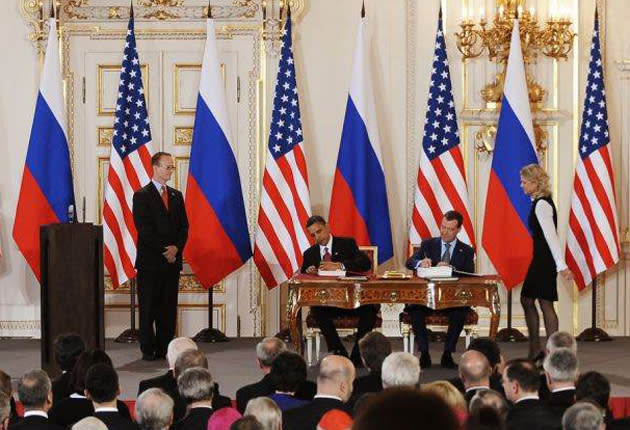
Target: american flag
(285, 206)
(441, 184)
(593, 242)
(129, 166)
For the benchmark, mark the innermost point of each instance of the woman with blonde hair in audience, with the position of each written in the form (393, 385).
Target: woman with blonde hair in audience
(266, 412)
(451, 395)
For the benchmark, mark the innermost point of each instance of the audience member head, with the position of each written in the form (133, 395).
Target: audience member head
(266, 412)
(400, 369)
(474, 369)
(489, 398)
(223, 418)
(246, 423)
(154, 410)
(561, 368)
(188, 359)
(374, 348)
(5, 383)
(89, 423)
(335, 419)
(595, 386)
(491, 350)
(561, 339)
(404, 408)
(196, 385)
(35, 390)
(288, 372)
(68, 347)
(583, 416)
(5, 410)
(176, 347)
(520, 379)
(86, 360)
(267, 350)
(447, 392)
(101, 384)
(336, 374)
(485, 418)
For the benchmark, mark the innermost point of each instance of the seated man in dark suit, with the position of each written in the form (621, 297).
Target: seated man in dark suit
(445, 250)
(68, 347)
(334, 388)
(337, 253)
(102, 388)
(474, 372)
(561, 370)
(35, 393)
(490, 349)
(195, 386)
(374, 348)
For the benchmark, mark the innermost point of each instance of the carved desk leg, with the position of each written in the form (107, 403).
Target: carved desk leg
(495, 310)
(293, 310)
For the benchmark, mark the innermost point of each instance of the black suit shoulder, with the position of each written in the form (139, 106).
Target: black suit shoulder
(115, 421)
(61, 387)
(264, 387)
(165, 381)
(531, 415)
(197, 419)
(306, 417)
(35, 423)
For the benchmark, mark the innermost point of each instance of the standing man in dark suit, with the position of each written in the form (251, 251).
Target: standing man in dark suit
(445, 250)
(160, 218)
(103, 389)
(337, 253)
(35, 393)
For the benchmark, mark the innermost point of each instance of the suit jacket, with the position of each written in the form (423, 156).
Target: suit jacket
(61, 387)
(169, 385)
(531, 415)
(158, 227)
(462, 257)
(370, 383)
(197, 419)
(265, 387)
(344, 251)
(70, 410)
(306, 417)
(115, 421)
(35, 422)
(495, 384)
(619, 424)
(559, 402)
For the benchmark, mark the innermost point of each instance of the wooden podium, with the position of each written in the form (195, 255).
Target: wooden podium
(72, 294)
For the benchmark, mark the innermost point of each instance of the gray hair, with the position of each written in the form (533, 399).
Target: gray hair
(489, 398)
(176, 347)
(268, 349)
(561, 339)
(400, 369)
(196, 384)
(89, 423)
(189, 359)
(33, 388)
(5, 406)
(154, 410)
(582, 416)
(561, 365)
(266, 411)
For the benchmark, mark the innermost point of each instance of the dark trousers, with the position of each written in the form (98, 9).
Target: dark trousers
(456, 319)
(157, 298)
(324, 317)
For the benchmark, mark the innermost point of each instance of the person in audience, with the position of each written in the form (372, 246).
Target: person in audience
(89, 423)
(404, 408)
(451, 395)
(154, 410)
(196, 386)
(474, 372)
(5, 410)
(223, 418)
(334, 388)
(401, 369)
(583, 416)
(68, 347)
(266, 411)
(102, 389)
(492, 351)
(71, 409)
(594, 386)
(7, 388)
(521, 382)
(195, 358)
(489, 398)
(374, 348)
(561, 370)
(485, 418)
(560, 339)
(335, 419)
(288, 373)
(35, 393)
(246, 423)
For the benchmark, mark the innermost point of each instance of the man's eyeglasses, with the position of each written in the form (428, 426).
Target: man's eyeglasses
(168, 167)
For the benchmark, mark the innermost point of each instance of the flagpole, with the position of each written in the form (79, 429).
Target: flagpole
(510, 334)
(131, 335)
(593, 333)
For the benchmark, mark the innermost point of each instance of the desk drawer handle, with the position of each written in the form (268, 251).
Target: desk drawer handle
(322, 295)
(393, 296)
(463, 295)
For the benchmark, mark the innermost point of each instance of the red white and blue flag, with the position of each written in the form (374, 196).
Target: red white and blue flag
(506, 236)
(218, 239)
(358, 206)
(47, 190)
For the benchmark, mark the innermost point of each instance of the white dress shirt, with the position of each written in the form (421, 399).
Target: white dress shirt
(544, 215)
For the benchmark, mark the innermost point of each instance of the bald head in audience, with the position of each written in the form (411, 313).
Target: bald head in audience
(474, 370)
(336, 374)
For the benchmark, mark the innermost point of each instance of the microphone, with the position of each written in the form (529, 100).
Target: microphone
(70, 214)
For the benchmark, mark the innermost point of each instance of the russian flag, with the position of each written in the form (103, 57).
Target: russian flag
(358, 206)
(46, 191)
(218, 239)
(506, 236)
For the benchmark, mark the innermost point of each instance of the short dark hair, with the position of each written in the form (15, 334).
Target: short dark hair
(68, 347)
(524, 372)
(101, 381)
(86, 360)
(189, 358)
(485, 418)
(374, 348)
(155, 158)
(487, 347)
(454, 215)
(248, 422)
(5, 383)
(288, 371)
(315, 219)
(33, 388)
(593, 385)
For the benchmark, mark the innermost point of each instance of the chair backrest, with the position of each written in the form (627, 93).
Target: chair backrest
(413, 247)
(372, 254)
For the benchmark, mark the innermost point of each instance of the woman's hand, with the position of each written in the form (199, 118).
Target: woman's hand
(567, 275)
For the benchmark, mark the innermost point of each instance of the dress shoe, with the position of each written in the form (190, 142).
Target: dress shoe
(447, 361)
(148, 356)
(425, 360)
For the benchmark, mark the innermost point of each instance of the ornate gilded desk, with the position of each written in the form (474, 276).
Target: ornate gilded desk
(309, 290)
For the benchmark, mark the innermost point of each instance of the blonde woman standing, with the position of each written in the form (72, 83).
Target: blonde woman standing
(547, 258)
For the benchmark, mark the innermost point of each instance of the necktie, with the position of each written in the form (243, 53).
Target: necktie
(327, 256)
(164, 195)
(446, 257)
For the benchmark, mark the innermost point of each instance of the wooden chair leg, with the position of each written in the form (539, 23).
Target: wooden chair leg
(317, 345)
(309, 348)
